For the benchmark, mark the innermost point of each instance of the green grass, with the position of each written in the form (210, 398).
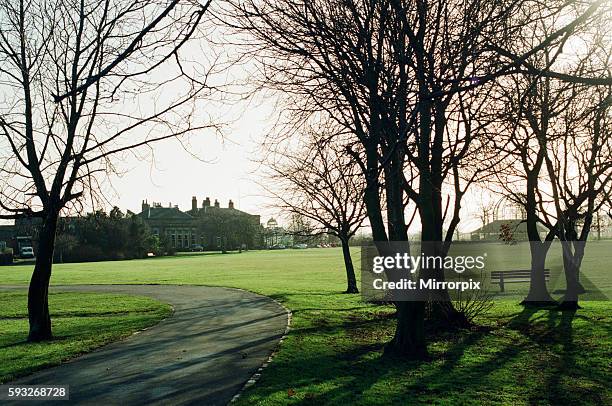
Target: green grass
(516, 357)
(333, 354)
(594, 270)
(267, 272)
(81, 323)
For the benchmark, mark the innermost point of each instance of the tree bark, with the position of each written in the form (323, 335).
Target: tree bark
(443, 312)
(571, 267)
(351, 280)
(38, 293)
(409, 339)
(538, 292)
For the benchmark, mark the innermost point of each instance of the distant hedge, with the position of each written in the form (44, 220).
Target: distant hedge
(6, 258)
(101, 237)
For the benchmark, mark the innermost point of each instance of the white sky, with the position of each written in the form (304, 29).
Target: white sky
(222, 168)
(207, 165)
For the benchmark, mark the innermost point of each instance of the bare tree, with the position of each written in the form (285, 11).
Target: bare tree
(579, 171)
(391, 73)
(541, 115)
(486, 212)
(70, 72)
(529, 108)
(321, 182)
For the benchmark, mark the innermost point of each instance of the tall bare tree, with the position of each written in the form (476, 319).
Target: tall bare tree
(84, 83)
(542, 117)
(579, 171)
(321, 182)
(529, 109)
(390, 73)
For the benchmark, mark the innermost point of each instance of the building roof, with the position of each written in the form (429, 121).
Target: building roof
(231, 210)
(518, 226)
(165, 213)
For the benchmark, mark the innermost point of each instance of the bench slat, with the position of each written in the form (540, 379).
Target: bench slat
(514, 276)
(517, 273)
(514, 273)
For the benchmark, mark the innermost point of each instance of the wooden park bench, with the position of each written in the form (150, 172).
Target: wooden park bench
(518, 275)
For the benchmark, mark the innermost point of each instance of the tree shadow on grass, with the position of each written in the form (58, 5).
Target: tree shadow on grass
(362, 375)
(343, 371)
(531, 359)
(562, 334)
(564, 379)
(521, 320)
(573, 375)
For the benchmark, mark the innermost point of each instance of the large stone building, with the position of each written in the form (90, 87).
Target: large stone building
(186, 229)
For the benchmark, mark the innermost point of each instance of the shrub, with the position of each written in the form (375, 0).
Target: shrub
(6, 258)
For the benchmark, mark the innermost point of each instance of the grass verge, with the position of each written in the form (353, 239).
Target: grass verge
(81, 323)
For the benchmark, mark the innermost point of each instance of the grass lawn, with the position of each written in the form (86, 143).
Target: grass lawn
(81, 323)
(333, 353)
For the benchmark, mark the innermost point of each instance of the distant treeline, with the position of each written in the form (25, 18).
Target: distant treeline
(102, 236)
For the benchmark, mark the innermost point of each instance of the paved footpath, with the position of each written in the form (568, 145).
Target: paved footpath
(202, 355)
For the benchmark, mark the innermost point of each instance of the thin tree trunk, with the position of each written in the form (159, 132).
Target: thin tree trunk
(571, 267)
(38, 294)
(538, 292)
(351, 280)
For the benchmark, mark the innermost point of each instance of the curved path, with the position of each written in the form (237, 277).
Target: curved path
(201, 355)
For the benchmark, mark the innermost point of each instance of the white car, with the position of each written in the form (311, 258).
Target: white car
(26, 252)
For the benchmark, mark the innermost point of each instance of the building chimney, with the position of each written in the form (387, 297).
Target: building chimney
(145, 206)
(206, 203)
(217, 203)
(231, 204)
(194, 204)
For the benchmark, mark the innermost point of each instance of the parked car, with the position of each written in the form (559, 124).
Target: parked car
(26, 252)
(300, 246)
(197, 248)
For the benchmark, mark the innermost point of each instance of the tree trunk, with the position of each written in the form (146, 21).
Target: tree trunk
(443, 312)
(409, 339)
(38, 294)
(570, 299)
(351, 280)
(571, 267)
(538, 292)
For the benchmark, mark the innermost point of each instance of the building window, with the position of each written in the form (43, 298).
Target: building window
(172, 238)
